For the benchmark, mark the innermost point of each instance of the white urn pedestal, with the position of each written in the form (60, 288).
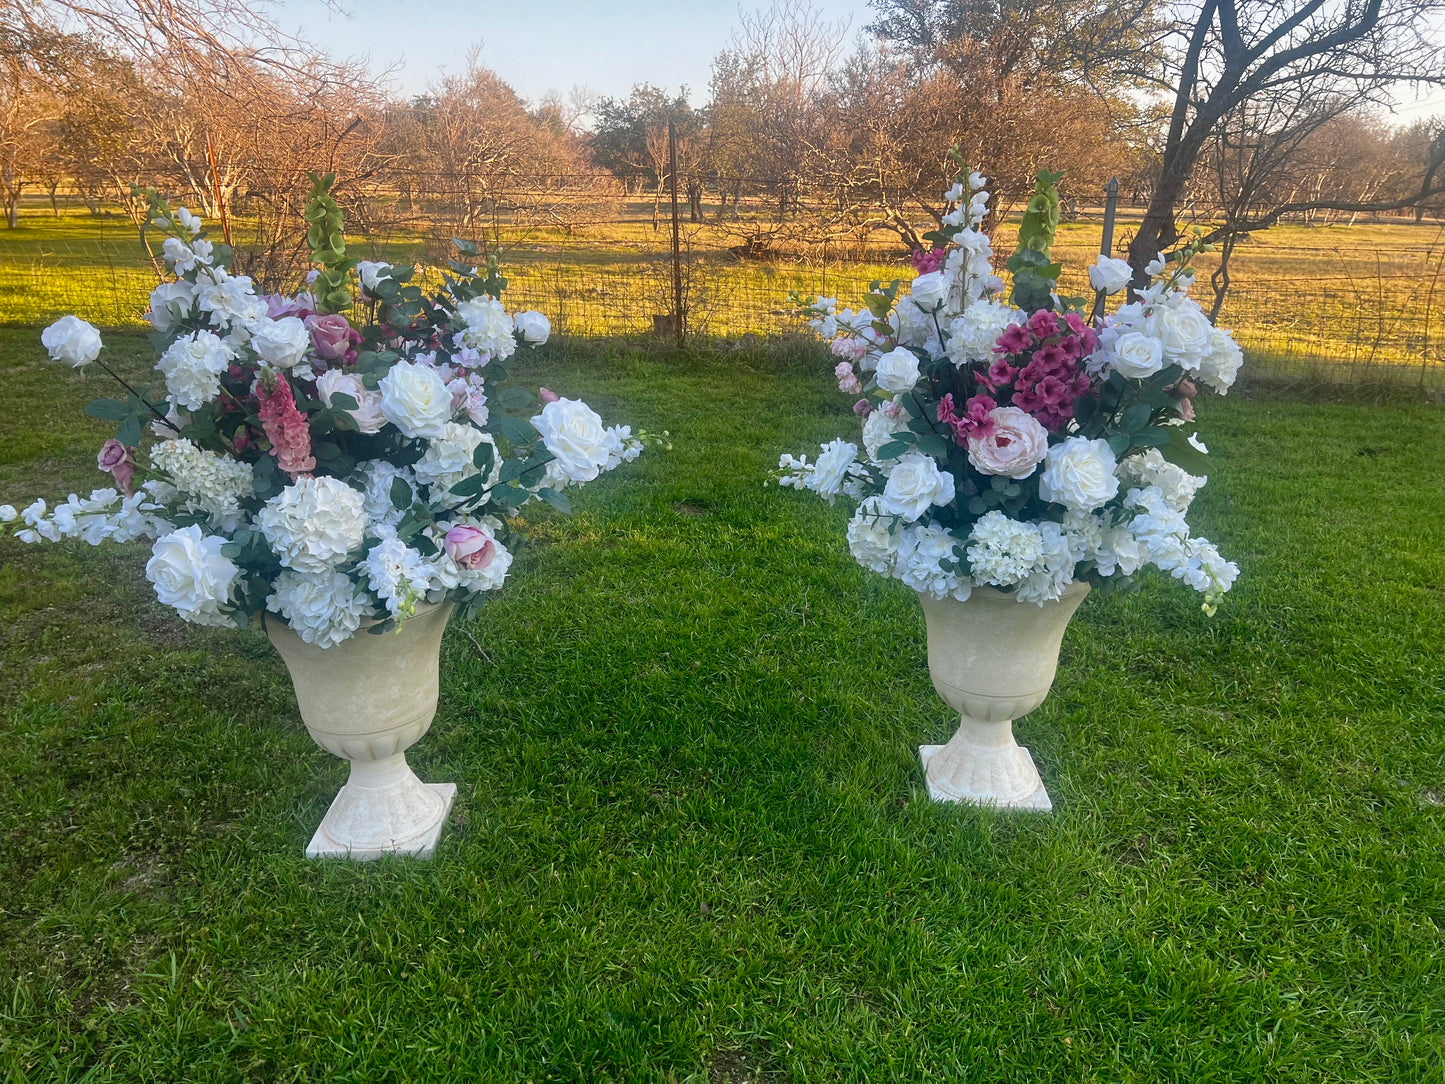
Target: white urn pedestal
(367, 700)
(992, 659)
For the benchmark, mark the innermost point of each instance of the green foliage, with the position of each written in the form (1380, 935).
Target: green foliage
(1035, 272)
(326, 237)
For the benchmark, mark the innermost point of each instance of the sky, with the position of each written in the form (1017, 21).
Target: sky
(556, 44)
(536, 47)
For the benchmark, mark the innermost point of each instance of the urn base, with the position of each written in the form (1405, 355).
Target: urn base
(383, 809)
(990, 777)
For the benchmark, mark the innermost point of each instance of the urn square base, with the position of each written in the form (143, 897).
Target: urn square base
(421, 845)
(1037, 802)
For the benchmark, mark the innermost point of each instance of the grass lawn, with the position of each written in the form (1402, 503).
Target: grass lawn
(691, 840)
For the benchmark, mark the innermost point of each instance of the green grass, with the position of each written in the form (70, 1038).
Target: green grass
(691, 841)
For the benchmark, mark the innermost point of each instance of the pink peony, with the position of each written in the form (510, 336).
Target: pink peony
(119, 462)
(470, 547)
(1017, 444)
(333, 338)
(286, 428)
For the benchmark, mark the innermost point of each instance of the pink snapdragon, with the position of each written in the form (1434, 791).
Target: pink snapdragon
(285, 427)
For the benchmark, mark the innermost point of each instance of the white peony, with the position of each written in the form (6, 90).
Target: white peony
(915, 485)
(322, 608)
(1109, 274)
(368, 414)
(1079, 474)
(898, 370)
(415, 399)
(192, 366)
(533, 326)
(872, 538)
(71, 340)
(1137, 355)
(313, 523)
(281, 343)
(488, 327)
(192, 576)
(573, 433)
(170, 302)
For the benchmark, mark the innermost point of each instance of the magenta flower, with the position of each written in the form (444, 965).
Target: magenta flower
(119, 462)
(1044, 324)
(1014, 340)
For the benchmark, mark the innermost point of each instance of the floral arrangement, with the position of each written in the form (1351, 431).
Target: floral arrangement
(1014, 443)
(329, 471)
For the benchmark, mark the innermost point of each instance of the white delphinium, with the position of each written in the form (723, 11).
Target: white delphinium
(574, 434)
(192, 576)
(1159, 527)
(398, 575)
(974, 332)
(184, 257)
(313, 523)
(793, 471)
(1054, 569)
(1079, 474)
(230, 299)
(1003, 551)
(104, 516)
(450, 458)
(170, 302)
(281, 343)
(1207, 572)
(8, 513)
(915, 484)
(1150, 468)
(378, 479)
(415, 399)
(71, 340)
(187, 221)
(622, 446)
(192, 366)
(872, 538)
(208, 484)
(926, 562)
(322, 608)
(488, 327)
(471, 392)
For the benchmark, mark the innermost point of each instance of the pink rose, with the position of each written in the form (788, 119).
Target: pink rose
(470, 547)
(1017, 444)
(119, 462)
(862, 408)
(333, 338)
(547, 396)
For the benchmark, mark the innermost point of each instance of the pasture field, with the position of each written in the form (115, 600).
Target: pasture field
(1346, 304)
(691, 841)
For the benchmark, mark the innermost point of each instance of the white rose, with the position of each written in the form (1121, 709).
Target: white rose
(898, 370)
(1184, 331)
(281, 343)
(1079, 474)
(533, 326)
(915, 484)
(368, 414)
(1137, 355)
(1110, 275)
(1221, 365)
(191, 575)
(8, 513)
(415, 399)
(574, 434)
(72, 340)
(369, 271)
(831, 469)
(929, 291)
(168, 300)
(192, 366)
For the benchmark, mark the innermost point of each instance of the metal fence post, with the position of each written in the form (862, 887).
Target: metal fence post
(677, 312)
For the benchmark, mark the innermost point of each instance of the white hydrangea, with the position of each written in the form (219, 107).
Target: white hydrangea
(1054, 569)
(873, 539)
(926, 562)
(313, 523)
(975, 331)
(192, 366)
(1003, 551)
(322, 608)
(488, 327)
(377, 478)
(398, 575)
(917, 329)
(449, 458)
(208, 484)
(1150, 468)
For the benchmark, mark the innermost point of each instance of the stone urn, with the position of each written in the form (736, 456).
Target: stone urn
(367, 700)
(992, 659)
